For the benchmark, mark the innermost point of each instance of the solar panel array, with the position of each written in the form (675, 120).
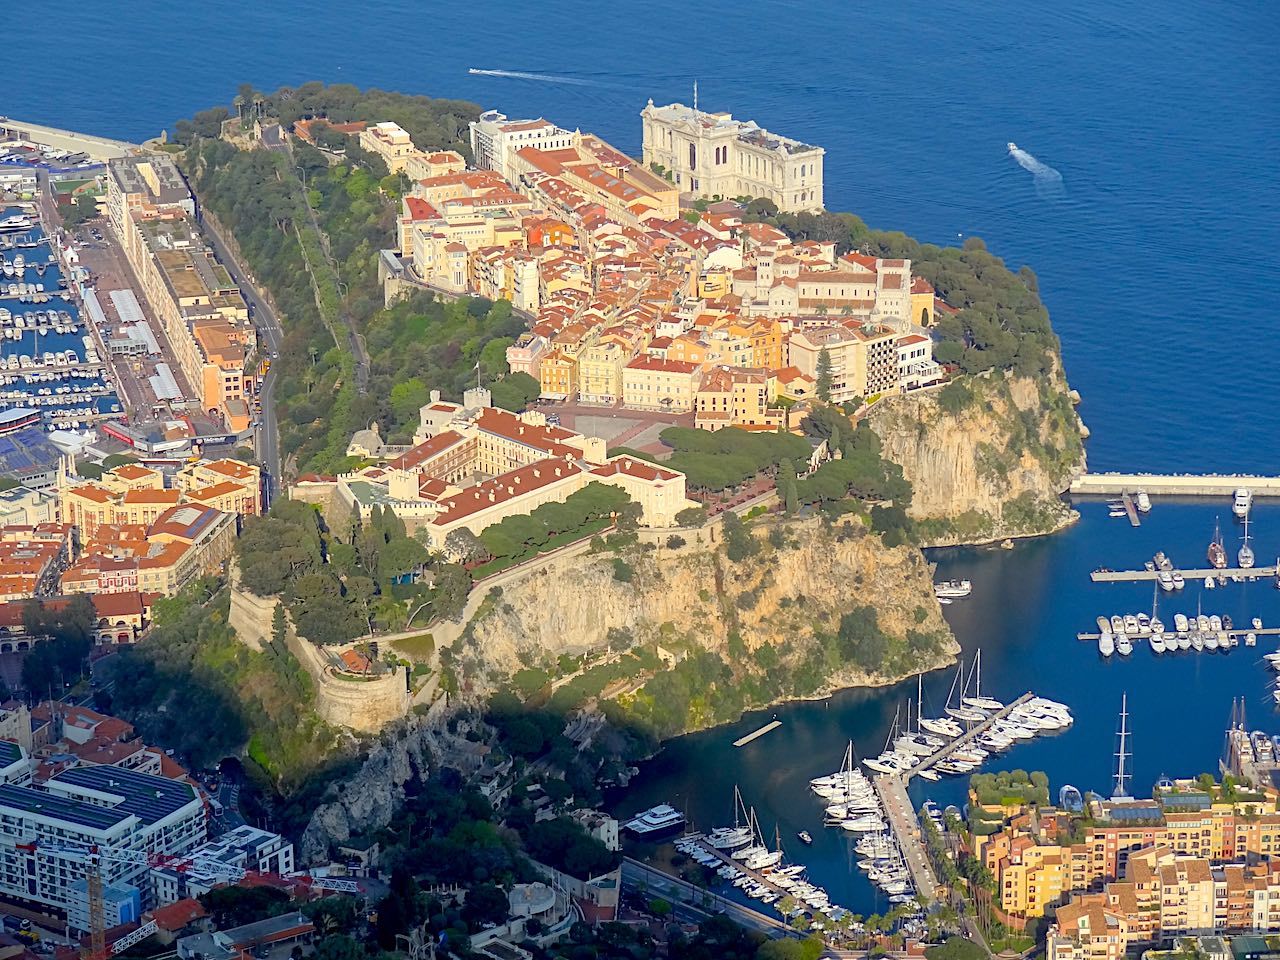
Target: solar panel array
(59, 808)
(149, 798)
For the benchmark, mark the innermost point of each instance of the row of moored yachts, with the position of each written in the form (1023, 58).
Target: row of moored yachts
(853, 806)
(966, 707)
(1198, 632)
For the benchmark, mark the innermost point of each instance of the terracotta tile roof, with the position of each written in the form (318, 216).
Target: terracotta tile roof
(515, 483)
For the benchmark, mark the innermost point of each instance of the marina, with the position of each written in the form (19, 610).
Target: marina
(755, 735)
(1137, 576)
(50, 359)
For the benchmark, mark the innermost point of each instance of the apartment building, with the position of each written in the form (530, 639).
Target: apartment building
(202, 311)
(558, 376)
(600, 372)
(737, 397)
(864, 359)
(713, 155)
(104, 806)
(391, 142)
(495, 140)
(231, 486)
(654, 383)
(245, 847)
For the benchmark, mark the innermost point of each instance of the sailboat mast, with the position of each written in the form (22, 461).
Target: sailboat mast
(1122, 755)
(920, 697)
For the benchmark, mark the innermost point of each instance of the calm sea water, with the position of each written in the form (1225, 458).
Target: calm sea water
(1147, 204)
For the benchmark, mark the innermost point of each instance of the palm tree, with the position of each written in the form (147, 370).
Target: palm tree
(238, 103)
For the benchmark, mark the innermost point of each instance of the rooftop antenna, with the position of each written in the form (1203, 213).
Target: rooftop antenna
(1122, 775)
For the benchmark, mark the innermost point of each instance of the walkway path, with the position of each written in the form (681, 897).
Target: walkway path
(1190, 485)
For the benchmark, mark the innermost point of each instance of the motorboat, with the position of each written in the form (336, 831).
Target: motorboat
(1130, 624)
(1106, 644)
(1242, 503)
(1104, 625)
(1257, 623)
(1166, 581)
(1070, 799)
(1178, 580)
(1142, 502)
(952, 589)
(655, 820)
(1211, 642)
(1251, 639)
(1157, 643)
(1124, 646)
(1117, 624)
(805, 837)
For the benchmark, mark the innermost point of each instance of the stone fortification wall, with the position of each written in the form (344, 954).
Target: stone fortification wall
(364, 705)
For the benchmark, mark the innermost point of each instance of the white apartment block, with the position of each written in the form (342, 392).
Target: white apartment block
(245, 848)
(495, 140)
(114, 809)
(714, 155)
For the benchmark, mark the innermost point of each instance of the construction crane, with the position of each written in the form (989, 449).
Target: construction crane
(209, 869)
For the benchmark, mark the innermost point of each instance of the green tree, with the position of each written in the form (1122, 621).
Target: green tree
(824, 375)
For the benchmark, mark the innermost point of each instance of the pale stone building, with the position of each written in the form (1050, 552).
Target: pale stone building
(495, 140)
(714, 155)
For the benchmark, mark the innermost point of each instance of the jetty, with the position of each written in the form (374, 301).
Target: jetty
(99, 148)
(757, 734)
(1238, 632)
(1133, 576)
(1179, 485)
(905, 826)
(965, 738)
(1130, 510)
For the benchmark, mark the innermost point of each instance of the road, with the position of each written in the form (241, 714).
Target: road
(267, 432)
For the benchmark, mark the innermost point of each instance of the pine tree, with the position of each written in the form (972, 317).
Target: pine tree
(824, 375)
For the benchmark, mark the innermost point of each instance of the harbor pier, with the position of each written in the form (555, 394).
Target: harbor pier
(767, 728)
(905, 826)
(1134, 576)
(100, 148)
(965, 738)
(1183, 485)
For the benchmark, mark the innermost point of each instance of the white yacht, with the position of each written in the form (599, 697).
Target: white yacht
(655, 820)
(1124, 646)
(1157, 643)
(952, 589)
(1106, 644)
(1243, 502)
(1142, 502)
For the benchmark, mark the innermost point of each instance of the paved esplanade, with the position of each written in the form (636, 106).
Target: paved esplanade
(100, 148)
(1186, 485)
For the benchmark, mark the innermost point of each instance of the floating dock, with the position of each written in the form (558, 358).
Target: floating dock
(1184, 485)
(1233, 632)
(1130, 510)
(1132, 576)
(767, 728)
(967, 737)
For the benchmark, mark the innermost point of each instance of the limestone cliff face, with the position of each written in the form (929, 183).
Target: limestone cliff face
(696, 598)
(367, 801)
(987, 457)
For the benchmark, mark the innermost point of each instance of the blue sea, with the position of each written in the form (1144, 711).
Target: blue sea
(1145, 197)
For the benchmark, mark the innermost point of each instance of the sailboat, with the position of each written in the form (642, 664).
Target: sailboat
(1245, 556)
(730, 838)
(1157, 626)
(943, 726)
(960, 711)
(978, 700)
(1217, 552)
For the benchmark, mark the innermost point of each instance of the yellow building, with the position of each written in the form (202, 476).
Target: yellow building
(924, 302)
(864, 360)
(1032, 878)
(736, 397)
(390, 142)
(651, 383)
(231, 486)
(600, 372)
(558, 374)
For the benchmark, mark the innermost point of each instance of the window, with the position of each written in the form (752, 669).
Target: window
(693, 156)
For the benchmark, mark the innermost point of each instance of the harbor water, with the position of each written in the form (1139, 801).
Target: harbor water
(46, 363)
(1141, 193)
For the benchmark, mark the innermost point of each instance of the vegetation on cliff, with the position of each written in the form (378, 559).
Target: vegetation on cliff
(310, 226)
(196, 689)
(337, 584)
(696, 635)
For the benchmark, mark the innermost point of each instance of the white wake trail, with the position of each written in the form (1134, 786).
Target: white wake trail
(1048, 180)
(519, 75)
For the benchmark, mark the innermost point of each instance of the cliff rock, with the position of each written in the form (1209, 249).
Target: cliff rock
(988, 456)
(774, 619)
(367, 801)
